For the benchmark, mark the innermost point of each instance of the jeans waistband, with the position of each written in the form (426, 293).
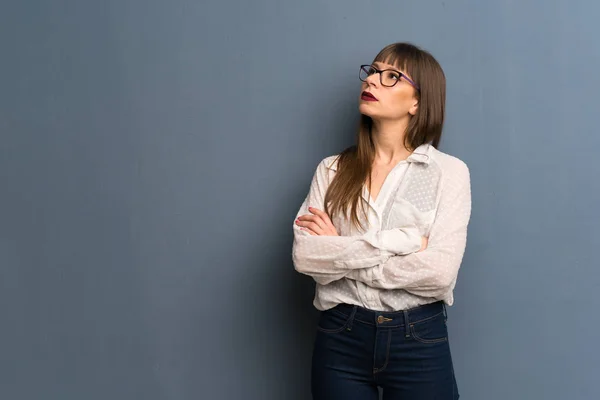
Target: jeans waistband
(392, 319)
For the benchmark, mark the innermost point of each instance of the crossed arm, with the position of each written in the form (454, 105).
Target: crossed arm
(388, 259)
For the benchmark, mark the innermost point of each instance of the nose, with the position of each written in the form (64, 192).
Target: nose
(373, 80)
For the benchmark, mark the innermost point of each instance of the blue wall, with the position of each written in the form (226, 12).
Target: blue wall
(153, 155)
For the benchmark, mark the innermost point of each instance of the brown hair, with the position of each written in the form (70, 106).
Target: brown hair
(354, 163)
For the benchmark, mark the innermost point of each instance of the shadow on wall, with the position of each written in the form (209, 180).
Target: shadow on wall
(276, 335)
(277, 338)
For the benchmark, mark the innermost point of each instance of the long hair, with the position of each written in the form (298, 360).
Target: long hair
(354, 163)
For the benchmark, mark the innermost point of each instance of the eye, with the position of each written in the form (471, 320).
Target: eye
(371, 71)
(392, 75)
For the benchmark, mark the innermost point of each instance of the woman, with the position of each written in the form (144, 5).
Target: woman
(383, 232)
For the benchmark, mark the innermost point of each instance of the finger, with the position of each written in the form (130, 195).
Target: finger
(309, 231)
(321, 214)
(304, 223)
(329, 229)
(324, 217)
(314, 219)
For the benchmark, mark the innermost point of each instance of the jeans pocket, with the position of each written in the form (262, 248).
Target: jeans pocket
(332, 321)
(430, 331)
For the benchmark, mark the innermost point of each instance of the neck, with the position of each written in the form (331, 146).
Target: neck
(388, 138)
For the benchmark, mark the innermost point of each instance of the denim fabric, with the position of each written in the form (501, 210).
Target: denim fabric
(406, 353)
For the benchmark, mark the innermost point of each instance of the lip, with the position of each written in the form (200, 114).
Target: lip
(367, 96)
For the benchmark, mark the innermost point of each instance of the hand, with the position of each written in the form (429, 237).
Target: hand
(317, 224)
(424, 243)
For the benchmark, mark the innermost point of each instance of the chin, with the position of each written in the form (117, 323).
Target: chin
(364, 109)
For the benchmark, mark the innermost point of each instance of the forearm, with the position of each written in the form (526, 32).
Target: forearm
(329, 258)
(430, 273)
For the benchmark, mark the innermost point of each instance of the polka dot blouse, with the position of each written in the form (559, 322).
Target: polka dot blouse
(380, 267)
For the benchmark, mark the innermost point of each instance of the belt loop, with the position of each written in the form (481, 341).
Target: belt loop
(445, 311)
(406, 324)
(351, 319)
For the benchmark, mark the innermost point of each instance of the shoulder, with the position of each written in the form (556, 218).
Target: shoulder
(451, 167)
(326, 168)
(455, 175)
(330, 162)
(334, 162)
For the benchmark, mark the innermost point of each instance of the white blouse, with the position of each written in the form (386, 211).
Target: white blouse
(428, 194)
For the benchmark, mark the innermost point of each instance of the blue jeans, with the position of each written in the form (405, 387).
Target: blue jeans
(406, 353)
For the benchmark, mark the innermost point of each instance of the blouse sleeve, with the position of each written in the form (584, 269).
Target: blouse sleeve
(329, 258)
(432, 272)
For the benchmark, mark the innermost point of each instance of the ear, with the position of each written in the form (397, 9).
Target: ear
(414, 108)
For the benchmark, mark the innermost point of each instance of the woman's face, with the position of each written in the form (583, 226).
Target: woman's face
(387, 103)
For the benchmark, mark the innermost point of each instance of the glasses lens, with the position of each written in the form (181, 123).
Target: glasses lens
(365, 71)
(389, 78)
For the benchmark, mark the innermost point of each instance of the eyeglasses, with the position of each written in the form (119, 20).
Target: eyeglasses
(387, 77)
